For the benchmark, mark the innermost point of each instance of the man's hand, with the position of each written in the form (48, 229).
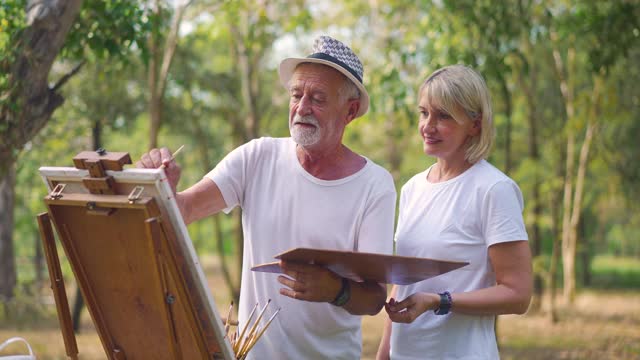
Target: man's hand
(157, 158)
(309, 282)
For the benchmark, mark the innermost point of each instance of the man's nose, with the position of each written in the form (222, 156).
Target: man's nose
(304, 106)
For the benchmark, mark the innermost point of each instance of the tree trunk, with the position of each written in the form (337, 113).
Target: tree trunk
(556, 252)
(29, 106)
(535, 240)
(7, 258)
(564, 74)
(159, 72)
(245, 126)
(508, 110)
(248, 84)
(579, 190)
(203, 148)
(555, 256)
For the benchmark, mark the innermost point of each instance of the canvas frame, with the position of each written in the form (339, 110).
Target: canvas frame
(153, 199)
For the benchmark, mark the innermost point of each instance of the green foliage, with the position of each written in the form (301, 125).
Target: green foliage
(400, 43)
(110, 29)
(615, 28)
(12, 23)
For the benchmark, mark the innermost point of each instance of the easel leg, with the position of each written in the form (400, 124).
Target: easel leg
(57, 285)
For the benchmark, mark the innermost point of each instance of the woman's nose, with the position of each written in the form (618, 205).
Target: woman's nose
(428, 126)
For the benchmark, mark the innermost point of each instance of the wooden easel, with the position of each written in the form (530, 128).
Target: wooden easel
(137, 280)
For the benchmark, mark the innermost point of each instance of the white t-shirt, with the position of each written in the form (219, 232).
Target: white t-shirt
(285, 207)
(455, 220)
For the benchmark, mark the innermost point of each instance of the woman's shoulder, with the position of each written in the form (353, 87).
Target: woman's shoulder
(489, 179)
(486, 172)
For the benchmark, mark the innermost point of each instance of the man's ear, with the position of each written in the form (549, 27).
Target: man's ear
(354, 106)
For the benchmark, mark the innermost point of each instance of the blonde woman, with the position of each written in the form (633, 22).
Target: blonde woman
(460, 208)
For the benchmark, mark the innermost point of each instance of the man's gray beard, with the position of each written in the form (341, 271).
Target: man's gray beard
(305, 136)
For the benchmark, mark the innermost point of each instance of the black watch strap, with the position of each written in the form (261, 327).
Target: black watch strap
(445, 304)
(344, 294)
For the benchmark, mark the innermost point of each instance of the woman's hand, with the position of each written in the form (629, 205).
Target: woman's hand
(407, 310)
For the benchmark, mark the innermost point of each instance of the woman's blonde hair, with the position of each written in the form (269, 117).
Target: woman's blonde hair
(463, 93)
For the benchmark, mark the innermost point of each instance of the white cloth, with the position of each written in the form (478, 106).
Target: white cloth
(455, 220)
(286, 207)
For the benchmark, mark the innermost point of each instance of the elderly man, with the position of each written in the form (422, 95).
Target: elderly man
(309, 190)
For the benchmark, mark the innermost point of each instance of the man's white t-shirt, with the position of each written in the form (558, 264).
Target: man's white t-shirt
(455, 220)
(286, 207)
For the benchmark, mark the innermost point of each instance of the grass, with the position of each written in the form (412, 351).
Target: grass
(615, 272)
(601, 324)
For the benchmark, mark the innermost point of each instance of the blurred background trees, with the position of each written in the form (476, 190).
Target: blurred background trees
(132, 75)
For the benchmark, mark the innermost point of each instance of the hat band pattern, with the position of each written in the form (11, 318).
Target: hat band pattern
(323, 56)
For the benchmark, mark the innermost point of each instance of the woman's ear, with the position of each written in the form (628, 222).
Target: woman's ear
(477, 125)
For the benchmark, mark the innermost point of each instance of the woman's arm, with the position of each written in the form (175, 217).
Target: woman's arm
(385, 342)
(511, 262)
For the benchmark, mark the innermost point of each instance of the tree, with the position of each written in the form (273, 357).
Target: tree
(36, 33)
(595, 23)
(27, 101)
(160, 62)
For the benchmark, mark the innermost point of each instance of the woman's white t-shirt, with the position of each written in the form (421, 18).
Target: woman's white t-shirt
(458, 219)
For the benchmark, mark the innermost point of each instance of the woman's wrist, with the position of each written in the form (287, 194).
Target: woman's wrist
(445, 305)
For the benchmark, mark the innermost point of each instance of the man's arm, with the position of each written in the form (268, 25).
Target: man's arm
(318, 284)
(367, 298)
(200, 200)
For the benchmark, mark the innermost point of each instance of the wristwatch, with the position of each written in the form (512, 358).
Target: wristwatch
(344, 294)
(445, 304)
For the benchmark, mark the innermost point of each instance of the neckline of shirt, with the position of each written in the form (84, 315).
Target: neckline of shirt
(305, 173)
(449, 181)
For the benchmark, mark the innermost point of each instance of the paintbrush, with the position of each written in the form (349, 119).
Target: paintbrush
(173, 156)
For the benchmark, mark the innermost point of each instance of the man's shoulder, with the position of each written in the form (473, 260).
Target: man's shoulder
(267, 145)
(268, 141)
(378, 173)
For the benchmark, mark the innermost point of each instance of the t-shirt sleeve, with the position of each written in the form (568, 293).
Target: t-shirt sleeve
(231, 174)
(502, 214)
(376, 231)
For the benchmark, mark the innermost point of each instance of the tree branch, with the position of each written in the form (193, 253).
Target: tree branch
(68, 76)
